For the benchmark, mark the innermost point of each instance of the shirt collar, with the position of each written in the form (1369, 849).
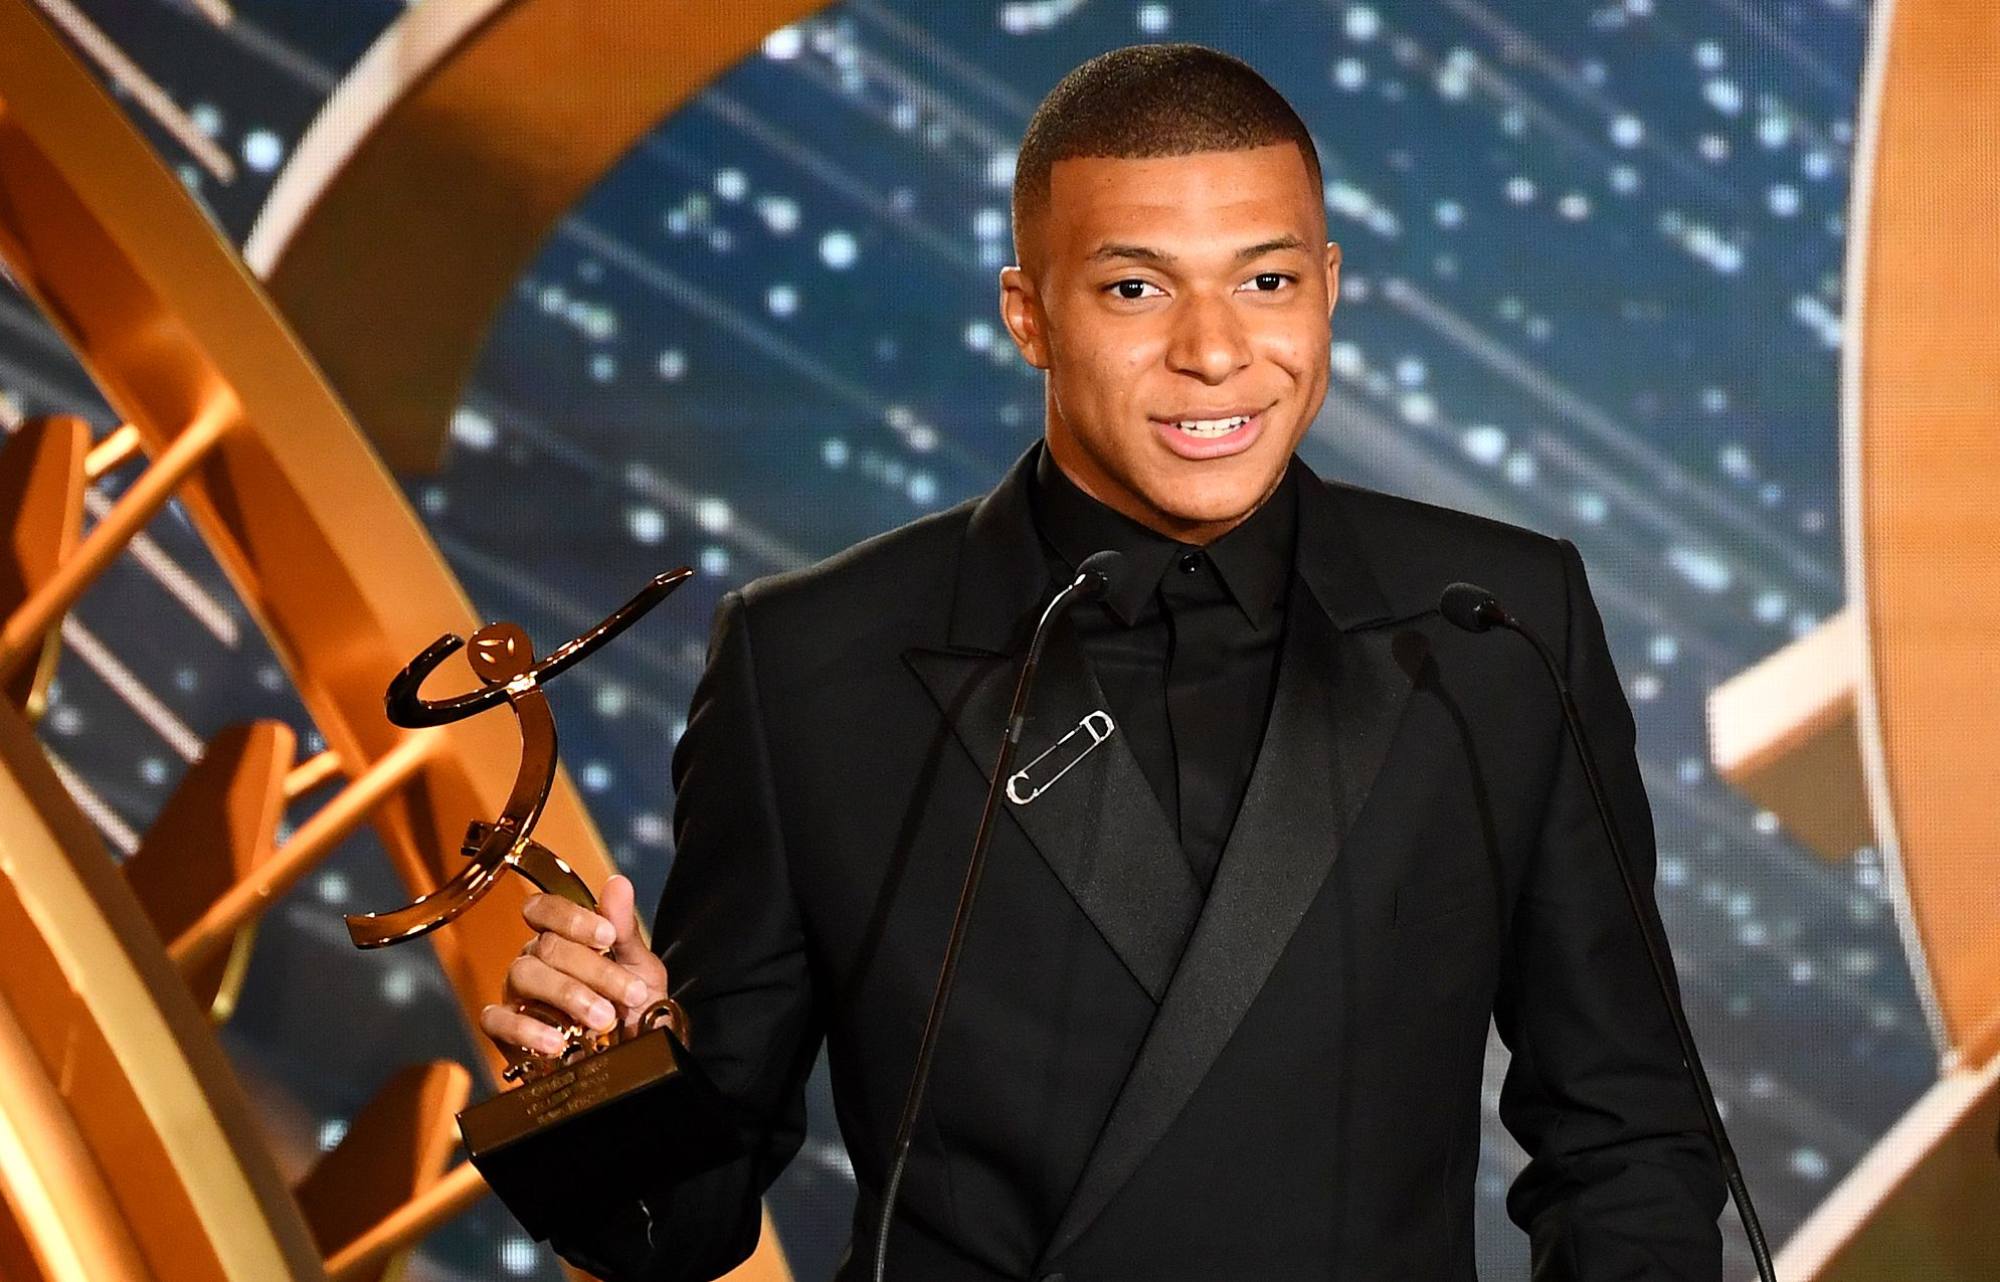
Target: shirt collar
(1254, 559)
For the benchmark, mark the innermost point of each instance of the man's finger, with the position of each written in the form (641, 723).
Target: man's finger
(619, 907)
(571, 921)
(532, 977)
(509, 1027)
(605, 976)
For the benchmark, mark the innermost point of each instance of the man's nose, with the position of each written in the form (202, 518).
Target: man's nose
(1208, 340)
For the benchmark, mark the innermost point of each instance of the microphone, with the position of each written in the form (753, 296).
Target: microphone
(1095, 577)
(1473, 608)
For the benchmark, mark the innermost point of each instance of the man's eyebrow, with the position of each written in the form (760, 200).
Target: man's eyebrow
(1114, 250)
(1271, 246)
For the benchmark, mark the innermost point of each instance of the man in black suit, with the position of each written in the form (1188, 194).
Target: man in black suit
(1222, 1009)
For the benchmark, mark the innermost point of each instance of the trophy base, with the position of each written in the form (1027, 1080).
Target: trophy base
(592, 1133)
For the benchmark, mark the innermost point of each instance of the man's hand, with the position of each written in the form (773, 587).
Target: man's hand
(563, 967)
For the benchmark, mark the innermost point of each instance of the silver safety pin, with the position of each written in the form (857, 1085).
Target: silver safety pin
(1098, 725)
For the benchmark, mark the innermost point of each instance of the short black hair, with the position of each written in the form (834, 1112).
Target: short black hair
(1153, 100)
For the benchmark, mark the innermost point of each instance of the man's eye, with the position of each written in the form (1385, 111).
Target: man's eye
(1133, 289)
(1267, 282)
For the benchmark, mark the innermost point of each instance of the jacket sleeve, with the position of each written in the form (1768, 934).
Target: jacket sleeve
(737, 961)
(1622, 1181)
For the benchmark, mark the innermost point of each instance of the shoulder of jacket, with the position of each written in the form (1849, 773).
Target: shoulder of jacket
(898, 573)
(1417, 548)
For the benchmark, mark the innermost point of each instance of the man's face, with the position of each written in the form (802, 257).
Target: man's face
(1181, 307)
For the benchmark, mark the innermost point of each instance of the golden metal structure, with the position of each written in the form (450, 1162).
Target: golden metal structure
(42, 469)
(28, 623)
(308, 775)
(396, 1148)
(219, 826)
(119, 446)
(140, 87)
(143, 1125)
(315, 535)
(311, 842)
(514, 107)
(409, 1222)
(69, 1228)
(1786, 733)
(1888, 707)
(239, 426)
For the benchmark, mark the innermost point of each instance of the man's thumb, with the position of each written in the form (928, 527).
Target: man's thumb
(618, 907)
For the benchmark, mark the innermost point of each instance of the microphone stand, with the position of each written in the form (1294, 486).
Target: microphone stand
(1487, 612)
(1091, 580)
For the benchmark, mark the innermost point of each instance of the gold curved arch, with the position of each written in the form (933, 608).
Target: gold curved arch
(145, 1161)
(49, 1179)
(1896, 698)
(310, 527)
(240, 426)
(435, 170)
(1921, 460)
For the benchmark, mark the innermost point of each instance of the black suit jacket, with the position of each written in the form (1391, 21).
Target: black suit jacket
(1277, 1081)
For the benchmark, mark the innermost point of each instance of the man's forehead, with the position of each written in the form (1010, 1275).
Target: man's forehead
(1273, 164)
(1199, 203)
(1125, 186)
(1205, 202)
(1280, 151)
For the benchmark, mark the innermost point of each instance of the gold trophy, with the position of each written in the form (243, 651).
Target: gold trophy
(611, 1096)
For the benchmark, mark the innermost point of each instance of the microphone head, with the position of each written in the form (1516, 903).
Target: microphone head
(1469, 606)
(1100, 572)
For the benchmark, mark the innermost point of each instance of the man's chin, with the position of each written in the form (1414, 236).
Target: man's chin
(1215, 500)
(1209, 512)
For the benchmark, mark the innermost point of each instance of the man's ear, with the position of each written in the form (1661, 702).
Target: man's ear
(1021, 311)
(1332, 275)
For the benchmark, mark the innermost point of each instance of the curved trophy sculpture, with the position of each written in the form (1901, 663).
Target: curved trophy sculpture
(503, 658)
(604, 1089)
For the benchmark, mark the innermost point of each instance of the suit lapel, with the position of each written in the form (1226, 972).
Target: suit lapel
(1098, 826)
(1340, 699)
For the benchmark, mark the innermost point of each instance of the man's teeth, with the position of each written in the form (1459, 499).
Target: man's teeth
(1212, 426)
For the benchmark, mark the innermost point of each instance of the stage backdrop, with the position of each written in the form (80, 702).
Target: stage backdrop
(1594, 285)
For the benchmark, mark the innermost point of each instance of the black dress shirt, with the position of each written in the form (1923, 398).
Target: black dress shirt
(1185, 647)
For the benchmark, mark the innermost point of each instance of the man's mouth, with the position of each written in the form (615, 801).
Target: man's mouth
(1208, 436)
(1211, 427)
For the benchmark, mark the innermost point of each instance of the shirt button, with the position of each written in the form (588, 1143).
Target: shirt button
(1190, 562)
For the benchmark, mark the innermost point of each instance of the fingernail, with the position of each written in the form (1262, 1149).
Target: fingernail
(604, 934)
(551, 1043)
(635, 994)
(601, 1012)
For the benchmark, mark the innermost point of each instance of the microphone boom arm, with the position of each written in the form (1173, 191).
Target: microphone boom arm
(1476, 610)
(1092, 580)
